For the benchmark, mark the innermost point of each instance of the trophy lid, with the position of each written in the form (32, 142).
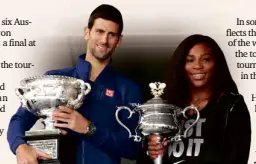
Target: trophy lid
(157, 89)
(155, 100)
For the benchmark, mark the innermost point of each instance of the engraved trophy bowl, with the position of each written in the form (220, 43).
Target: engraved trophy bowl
(41, 95)
(159, 118)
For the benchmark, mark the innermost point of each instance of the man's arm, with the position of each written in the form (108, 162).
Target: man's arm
(20, 122)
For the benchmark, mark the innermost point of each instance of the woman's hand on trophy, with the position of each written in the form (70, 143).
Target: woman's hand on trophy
(69, 118)
(155, 148)
(26, 154)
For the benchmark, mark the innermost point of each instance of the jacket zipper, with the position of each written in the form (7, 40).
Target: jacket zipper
(101, 92)
(83, 152)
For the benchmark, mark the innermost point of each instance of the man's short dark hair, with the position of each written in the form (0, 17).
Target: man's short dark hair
(107, 12)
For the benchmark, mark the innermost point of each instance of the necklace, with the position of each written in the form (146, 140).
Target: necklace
(199, 103)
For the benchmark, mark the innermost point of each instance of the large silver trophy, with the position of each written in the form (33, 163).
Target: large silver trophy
(159, 118)
(41, 95)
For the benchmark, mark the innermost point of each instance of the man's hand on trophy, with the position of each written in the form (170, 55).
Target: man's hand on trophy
(69, 118)
(63, 132)
(26, 154)
(155, 148)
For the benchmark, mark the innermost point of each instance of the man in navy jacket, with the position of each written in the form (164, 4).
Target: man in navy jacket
(105, 142)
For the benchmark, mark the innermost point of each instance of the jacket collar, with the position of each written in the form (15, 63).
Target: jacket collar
(83, 68)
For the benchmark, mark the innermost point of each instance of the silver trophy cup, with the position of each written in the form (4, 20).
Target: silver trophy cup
(159, 118)
(41, 95)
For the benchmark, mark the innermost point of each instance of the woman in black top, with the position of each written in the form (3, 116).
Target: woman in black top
(198, 74)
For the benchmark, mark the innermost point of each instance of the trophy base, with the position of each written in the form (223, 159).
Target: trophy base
(56, 161)
(42, 132)
(46, 141)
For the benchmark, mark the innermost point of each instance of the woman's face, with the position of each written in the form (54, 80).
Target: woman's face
(199, 65)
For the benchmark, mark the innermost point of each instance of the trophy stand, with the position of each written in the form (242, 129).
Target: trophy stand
(46, 140)
(47, 143)
(159, 158)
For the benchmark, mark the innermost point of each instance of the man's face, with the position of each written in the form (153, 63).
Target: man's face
(102, 38)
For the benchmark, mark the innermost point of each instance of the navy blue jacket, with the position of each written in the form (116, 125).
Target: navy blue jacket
(110, 142)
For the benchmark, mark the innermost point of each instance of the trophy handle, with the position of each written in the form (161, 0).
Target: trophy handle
(136, 137)
(20, 93)
(194, 123)
(85, 88)
(88, 88)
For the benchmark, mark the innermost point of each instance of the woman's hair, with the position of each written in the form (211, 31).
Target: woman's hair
(177, 90)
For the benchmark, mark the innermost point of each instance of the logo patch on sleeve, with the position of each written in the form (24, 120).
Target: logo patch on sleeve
(109, 92)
